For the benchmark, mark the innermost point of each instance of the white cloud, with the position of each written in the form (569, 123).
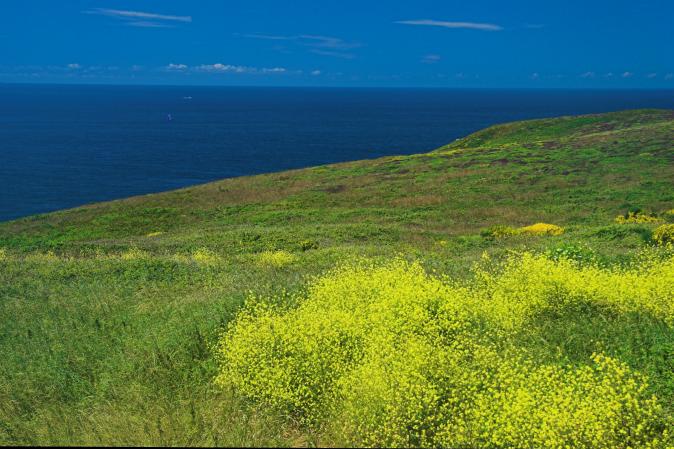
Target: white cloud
(535, 76)
(223, 68)
(178, 67)
(627, 74)
(315, 72)
(444, 24)
(74, 66)
(228, 68)
(669, 76)
(651, 75)
(588, 75)
(124, 14)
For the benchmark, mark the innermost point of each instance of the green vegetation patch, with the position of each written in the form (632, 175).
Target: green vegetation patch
(112, 315)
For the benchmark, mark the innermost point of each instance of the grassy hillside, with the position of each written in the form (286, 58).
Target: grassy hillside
(110, 313)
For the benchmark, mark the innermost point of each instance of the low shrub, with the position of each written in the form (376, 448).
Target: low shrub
(581, 254)
(542, 229)
(669, 215)
(498, 231)
(391, 356)
(617, 232)
(637, 217)
(664, 234)
(306, 245)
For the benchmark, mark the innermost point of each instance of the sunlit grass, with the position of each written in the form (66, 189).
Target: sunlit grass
(111, 314)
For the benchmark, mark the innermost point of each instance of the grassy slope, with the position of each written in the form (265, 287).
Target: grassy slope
(101, 349)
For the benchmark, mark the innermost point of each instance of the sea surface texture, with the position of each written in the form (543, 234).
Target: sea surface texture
(64, 146)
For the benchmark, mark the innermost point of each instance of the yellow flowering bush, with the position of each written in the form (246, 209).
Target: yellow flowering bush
(206, 257)
(392, 356)
(664, 234)
(498, 231)
(542, 229)
(528, 284)
(3, 254)
(154, 234)
(276, 259)
(600, 405)
(636, 217)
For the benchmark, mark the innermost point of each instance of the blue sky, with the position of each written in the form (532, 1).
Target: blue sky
(516, 43)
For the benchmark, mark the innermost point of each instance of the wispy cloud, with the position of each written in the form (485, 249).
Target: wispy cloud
(588, 75)
(320, 45)
(110, 72)
(228, 68)
(223, 68)
(148, 24)
(326, 42)
(334, 54)
(430, 59)
(445, 24)
(141, 18)
(627, 74)
(176, 67)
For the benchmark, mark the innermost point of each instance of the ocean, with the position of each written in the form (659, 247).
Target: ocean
(66, 145)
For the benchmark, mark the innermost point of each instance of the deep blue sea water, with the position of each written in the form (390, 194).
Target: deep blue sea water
(63, 146)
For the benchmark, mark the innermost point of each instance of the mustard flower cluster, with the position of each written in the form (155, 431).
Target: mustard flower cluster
(542, 229)
(664, 234)
(391, 356)
(501, 231)
(498, 231)
(637, 217)
(528, 285)
(205, 257)
(276, 259)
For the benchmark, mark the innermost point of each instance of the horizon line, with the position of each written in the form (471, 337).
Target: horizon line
(38, 83)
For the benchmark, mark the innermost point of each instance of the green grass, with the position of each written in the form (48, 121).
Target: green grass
(102, 348)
